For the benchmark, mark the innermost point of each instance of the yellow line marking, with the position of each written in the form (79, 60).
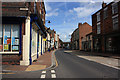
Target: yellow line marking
(56, 60)
(7, 73)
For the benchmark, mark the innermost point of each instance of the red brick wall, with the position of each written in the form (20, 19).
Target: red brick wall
(84, 29)
(106, 24)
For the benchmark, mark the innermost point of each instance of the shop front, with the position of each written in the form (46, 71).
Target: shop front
(11, 40)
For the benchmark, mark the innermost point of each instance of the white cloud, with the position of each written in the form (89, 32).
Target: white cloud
(47, 7)
(71, 11)
(85, 11)
(53, 13)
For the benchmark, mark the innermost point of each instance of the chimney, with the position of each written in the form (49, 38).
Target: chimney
(103, 4)
(79, 24)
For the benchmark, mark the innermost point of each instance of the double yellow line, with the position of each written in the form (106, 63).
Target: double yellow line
(55, 60)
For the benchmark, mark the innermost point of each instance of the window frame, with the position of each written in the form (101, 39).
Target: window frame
(105, 13)
(114, 7)
(115, 22)
(98, 29)
(3, 33)
(98, 17)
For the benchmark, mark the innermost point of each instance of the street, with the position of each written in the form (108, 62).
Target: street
(70, 66)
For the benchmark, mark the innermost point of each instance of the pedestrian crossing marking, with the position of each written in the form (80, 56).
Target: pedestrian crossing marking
(52, 71)
(43, 72)
(42, 76)
(53, 75)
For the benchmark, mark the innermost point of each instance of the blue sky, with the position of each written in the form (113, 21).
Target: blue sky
(65, 16)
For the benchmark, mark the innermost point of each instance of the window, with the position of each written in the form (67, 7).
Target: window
(9, 38)
(115, 22)
(98, 16)
(1, 38)
(98, 28)
(34, 41)
(105, 13)
(114, 8)
(15, 38)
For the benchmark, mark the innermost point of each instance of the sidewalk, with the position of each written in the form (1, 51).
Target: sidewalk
(107, 59)
(44, 61)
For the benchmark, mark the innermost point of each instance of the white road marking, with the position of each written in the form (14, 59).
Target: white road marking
(53, 75)
(52, 71)
(43, 72)
(42, 76)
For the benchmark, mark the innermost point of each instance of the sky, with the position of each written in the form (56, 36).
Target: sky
(65, 16)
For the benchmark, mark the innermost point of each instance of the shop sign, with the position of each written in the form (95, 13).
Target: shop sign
(44, 39)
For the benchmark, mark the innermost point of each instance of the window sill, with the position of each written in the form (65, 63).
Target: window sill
(9, 52)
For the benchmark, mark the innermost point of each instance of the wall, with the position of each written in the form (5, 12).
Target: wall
(84, 29)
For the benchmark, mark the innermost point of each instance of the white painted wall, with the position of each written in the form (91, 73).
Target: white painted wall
(26, 43)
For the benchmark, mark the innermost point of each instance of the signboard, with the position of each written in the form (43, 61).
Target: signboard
(44, 39)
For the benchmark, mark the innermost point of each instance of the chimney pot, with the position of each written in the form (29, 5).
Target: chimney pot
(103, 4)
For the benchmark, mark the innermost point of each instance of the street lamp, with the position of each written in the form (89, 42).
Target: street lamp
(48, 21)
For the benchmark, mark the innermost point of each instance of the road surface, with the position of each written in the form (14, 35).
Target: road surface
(70, 66)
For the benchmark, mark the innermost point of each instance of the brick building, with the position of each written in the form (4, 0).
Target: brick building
(22, 32)
(75, 39)
(78, 37)
(84, 29)
(106, 28)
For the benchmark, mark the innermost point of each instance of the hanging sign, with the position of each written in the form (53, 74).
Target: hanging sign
(44, 39)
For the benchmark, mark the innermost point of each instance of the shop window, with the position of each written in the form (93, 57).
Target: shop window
(34, 41)
(15, 38)
(9, 38)
(1, 38)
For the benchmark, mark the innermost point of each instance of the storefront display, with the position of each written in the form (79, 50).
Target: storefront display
(9, 40)
(1, 47)
(6, 47)
(15, 48)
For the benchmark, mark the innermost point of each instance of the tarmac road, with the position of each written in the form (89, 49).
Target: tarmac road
(70, 66)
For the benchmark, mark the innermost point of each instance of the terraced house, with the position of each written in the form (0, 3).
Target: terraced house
(106, 28)
(22, 32)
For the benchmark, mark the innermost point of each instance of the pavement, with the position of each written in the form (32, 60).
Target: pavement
(108, 59)
(43, 62)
